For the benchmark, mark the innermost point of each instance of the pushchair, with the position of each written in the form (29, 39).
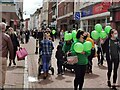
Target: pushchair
(68, 66)
(40, 67)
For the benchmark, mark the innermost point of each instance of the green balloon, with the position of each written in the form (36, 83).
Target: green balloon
(107, 29)
(68, 36)
(98, 27)
(87, 46)
(95, 35)
(103, 34)
(74, 39)
(78, 47)
(53, 31)
(74, 32)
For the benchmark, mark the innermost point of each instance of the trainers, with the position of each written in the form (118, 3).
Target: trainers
(62, 73)
(114, 87)
(109, 83)
(58, 74)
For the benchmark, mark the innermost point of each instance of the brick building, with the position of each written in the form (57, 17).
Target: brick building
(52, 14)
(65, 19)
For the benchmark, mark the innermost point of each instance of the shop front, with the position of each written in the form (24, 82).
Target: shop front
(97, 13)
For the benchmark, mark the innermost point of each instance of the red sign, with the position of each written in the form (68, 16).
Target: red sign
(101, 7)
(117, 16)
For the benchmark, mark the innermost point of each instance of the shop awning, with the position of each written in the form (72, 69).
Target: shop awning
(96, 16)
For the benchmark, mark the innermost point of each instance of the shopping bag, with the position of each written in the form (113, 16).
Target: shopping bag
(72, 59)
(21, 54)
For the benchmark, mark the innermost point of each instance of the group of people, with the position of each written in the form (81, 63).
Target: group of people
(9, 43)
(109, 46)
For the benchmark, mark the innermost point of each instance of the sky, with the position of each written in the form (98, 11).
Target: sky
(30, 6)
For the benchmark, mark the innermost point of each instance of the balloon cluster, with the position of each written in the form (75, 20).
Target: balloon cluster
(79, 47)
(98, 33)
(69, 36)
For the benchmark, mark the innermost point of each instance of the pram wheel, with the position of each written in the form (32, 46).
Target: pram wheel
(52, 70)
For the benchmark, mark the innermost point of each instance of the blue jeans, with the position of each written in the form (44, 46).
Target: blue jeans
(46, 60)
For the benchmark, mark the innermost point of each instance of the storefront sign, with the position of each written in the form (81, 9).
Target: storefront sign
(86, 12)
(101, 7)
(117, 16)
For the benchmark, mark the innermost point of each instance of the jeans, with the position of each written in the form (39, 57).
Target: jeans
(79, 76)
(46, 61)
(110, 65)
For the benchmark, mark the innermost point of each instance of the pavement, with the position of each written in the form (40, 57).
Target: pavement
(25, 74)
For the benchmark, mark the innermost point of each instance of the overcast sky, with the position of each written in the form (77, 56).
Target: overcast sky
(30, 6)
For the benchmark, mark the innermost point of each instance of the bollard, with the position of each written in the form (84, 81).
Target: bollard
(36, 52)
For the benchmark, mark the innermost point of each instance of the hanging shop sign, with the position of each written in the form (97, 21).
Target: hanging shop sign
(86, 11)
(101, 7)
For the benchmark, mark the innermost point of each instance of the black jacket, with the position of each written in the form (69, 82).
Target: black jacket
(14, 40)
(107, 48)
(59, 55)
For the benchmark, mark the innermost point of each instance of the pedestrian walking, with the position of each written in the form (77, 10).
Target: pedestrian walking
(61, 34)
(100, 53)
(80, 67)
(27, 36)
(91, 56)
(22, 36)
(15, 43)
(112, 45)
(5, 47)
(46, 47)
(59, 56)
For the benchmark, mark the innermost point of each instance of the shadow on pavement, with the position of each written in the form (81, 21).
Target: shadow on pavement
(60, 77)
(69, 73)
(21, 67)
(9, 68)
(45, 81)
(91, 76)
(68, 81)
(103, 67)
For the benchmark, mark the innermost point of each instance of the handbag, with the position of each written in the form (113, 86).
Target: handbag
(72, 59)
(21, 54)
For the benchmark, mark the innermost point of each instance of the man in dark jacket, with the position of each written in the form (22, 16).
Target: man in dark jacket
(5, 47)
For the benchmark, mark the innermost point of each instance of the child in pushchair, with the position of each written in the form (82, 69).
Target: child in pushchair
(66, 65)
(40, 67)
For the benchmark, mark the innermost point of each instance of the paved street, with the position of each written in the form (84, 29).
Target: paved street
(18, 77)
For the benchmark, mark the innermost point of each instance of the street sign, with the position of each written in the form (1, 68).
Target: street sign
(77, 16)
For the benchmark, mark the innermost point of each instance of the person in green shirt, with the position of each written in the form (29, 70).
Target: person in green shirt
(80, 66)
(66, 46)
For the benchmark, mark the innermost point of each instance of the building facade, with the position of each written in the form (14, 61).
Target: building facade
(93, 13)
(45, 14)
(11, 13)
(115, 15)
(65, 19)
(52, 14)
